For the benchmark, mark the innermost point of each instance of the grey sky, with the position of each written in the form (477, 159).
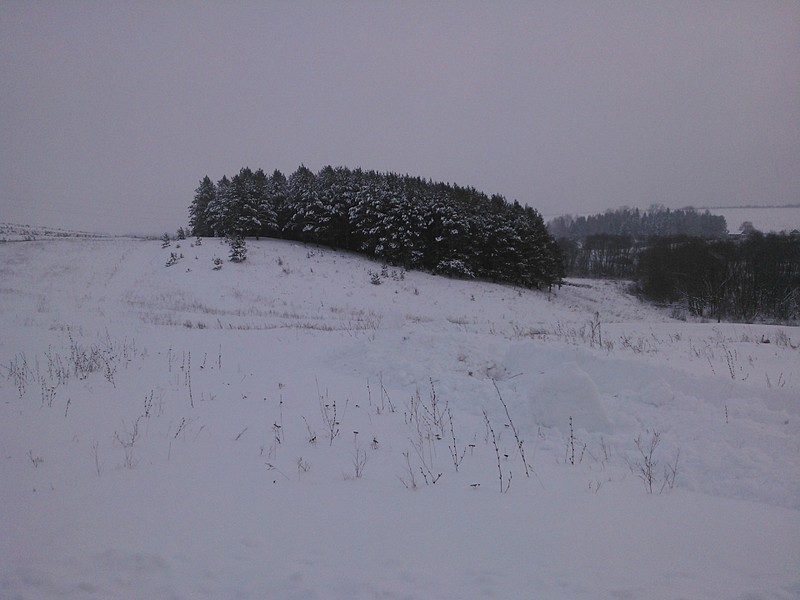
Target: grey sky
(111, 112)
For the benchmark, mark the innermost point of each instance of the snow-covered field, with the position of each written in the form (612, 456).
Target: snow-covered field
(284, 428)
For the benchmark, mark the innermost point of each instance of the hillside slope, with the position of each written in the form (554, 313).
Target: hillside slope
(275, 428)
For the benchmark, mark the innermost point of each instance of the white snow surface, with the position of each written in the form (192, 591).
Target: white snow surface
(274, 430)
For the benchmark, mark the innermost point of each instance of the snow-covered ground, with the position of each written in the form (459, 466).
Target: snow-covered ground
(274, 429)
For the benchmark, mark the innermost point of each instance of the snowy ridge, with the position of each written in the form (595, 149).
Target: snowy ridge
(11, 232)
(274, 429)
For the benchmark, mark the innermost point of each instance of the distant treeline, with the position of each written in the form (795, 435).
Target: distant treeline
(690, 260)
(608, 244)
(403, 220)
(638, 225)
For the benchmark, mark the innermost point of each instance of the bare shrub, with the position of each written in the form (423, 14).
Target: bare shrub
(359, 461)
(505, 482)
(96, 455)
(645, 466)
(303, 466)
(329, 412)
(520, 443)
(127, 439)
(36, 460)
(408, 479)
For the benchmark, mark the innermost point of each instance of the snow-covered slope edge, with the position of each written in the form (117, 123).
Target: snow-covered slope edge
(274, 428)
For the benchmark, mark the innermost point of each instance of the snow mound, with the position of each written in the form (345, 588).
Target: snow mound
(568, 393)
(562, 393)
(657, 393)
(555, 389)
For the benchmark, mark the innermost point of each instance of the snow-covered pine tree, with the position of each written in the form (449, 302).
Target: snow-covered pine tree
(238, 248)
(302, 194)
(198, 211)
(220, 208)
(366, 216)
(338, 189)
(245, 221)
(265, 209)
(401, 227)
(276, 197)
(445, 233)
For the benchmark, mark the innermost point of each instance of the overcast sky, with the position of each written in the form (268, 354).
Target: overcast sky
(111, 112)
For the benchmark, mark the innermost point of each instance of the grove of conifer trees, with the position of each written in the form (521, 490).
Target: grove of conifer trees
(402, 220)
